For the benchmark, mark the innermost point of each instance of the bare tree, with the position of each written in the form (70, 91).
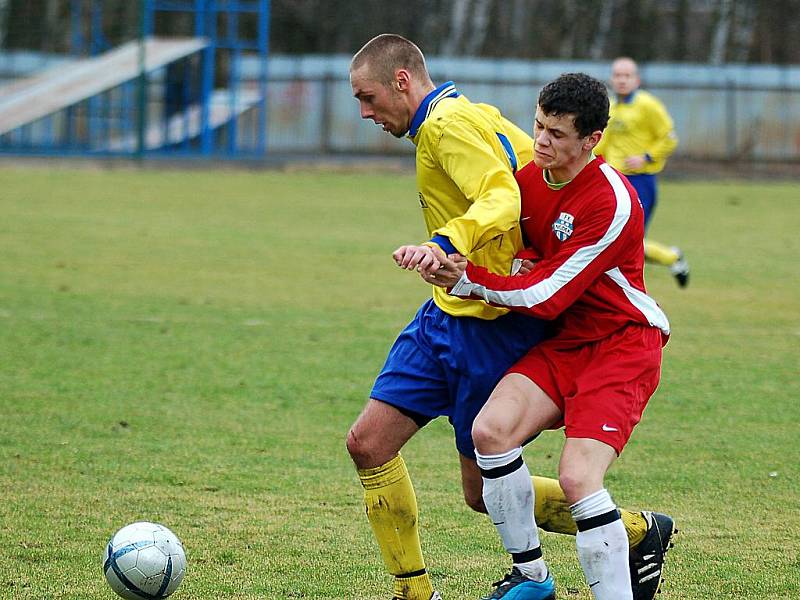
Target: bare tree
(433, 27)
(566, 48)
(598, 47)
(683, 30)
(780, 40)
(51, 26)
(744, 31)
(458, 25)
(518, 26)
(719, 42)
(479, 26)
(680, 27)
(3, 21)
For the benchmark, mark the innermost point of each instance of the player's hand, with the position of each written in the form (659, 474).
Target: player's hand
(524, 261)
(522, 266)
(449, 272)
(635, 163)
(420, 258)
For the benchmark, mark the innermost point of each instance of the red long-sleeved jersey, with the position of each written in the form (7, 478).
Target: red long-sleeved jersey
(589, 235)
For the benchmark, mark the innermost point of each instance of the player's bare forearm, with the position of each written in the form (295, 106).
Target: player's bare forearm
(635, 163)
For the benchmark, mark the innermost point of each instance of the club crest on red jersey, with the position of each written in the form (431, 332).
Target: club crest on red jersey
(563, 226)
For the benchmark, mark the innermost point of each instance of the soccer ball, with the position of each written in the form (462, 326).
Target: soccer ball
(144, 560)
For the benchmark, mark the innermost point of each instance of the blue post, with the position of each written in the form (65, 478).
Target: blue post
(263, 50)
(77, 49)
(148, 18)
(96, 46)
(76, 14)
(126, 109)
(231, 42)
(188, 98)
(146, 10)
(93, 105)
(105, 116)
(207, 79)
(49, 139)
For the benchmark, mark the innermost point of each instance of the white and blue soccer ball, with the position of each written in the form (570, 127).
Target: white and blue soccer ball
(144, 560)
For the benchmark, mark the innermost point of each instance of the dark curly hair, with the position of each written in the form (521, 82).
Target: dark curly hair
(580, 95)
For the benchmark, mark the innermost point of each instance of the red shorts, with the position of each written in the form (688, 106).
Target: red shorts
(601, 387)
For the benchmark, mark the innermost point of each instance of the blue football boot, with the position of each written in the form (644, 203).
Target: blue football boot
(516, 586)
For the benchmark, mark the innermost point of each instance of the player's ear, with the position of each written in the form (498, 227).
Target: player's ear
(592, 140)
(402, 80)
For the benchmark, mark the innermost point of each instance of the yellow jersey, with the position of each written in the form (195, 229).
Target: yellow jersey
(466, 155)
(638, 125)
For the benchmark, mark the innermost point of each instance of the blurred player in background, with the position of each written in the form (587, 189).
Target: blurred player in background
(638, 140)
(596, 374)
(449, 358)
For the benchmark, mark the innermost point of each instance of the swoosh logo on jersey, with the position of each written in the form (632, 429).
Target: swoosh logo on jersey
(607, 427)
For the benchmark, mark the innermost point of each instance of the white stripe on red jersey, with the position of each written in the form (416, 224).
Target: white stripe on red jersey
(590, 237)
(649, 307)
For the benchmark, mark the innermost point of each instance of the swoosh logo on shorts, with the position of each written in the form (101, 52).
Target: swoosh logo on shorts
(607, 427)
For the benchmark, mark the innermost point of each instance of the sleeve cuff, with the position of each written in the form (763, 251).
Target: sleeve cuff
(463, 288)
(444, 243)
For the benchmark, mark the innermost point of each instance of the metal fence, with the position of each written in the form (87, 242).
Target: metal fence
(723, 122)
(735, 113)
(173, 93)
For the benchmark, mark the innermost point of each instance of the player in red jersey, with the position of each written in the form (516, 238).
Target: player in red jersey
(585, 224)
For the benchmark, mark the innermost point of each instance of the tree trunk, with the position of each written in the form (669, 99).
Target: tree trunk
(719, 41)
(567, 46)
(54, 34)
(451, 45)
(744, 31)
(681, 30)
(604, 21)
(648, 30)
(479, 27)
(20, 31)
(519, 21)
(3, 22)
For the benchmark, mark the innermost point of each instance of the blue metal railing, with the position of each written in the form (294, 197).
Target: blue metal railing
(194, 104)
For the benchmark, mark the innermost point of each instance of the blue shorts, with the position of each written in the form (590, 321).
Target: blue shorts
(441, 365)
(645, 186)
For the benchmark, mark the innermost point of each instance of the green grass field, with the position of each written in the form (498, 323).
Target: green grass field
(191, 347)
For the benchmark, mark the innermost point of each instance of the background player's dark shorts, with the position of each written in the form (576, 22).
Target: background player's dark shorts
(441, 365)
(645, 186)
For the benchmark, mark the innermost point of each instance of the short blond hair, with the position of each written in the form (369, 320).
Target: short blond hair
(627, 59)
(387, 52)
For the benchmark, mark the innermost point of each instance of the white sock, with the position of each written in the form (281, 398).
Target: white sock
(602, 547)
(509, 500)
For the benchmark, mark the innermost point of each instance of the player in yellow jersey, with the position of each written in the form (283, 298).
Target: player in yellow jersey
(449, 358)
(638, 140)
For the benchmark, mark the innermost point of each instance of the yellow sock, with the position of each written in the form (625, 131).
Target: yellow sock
(660, 254)
(392, 513)
(551, 511)
(635, 526)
